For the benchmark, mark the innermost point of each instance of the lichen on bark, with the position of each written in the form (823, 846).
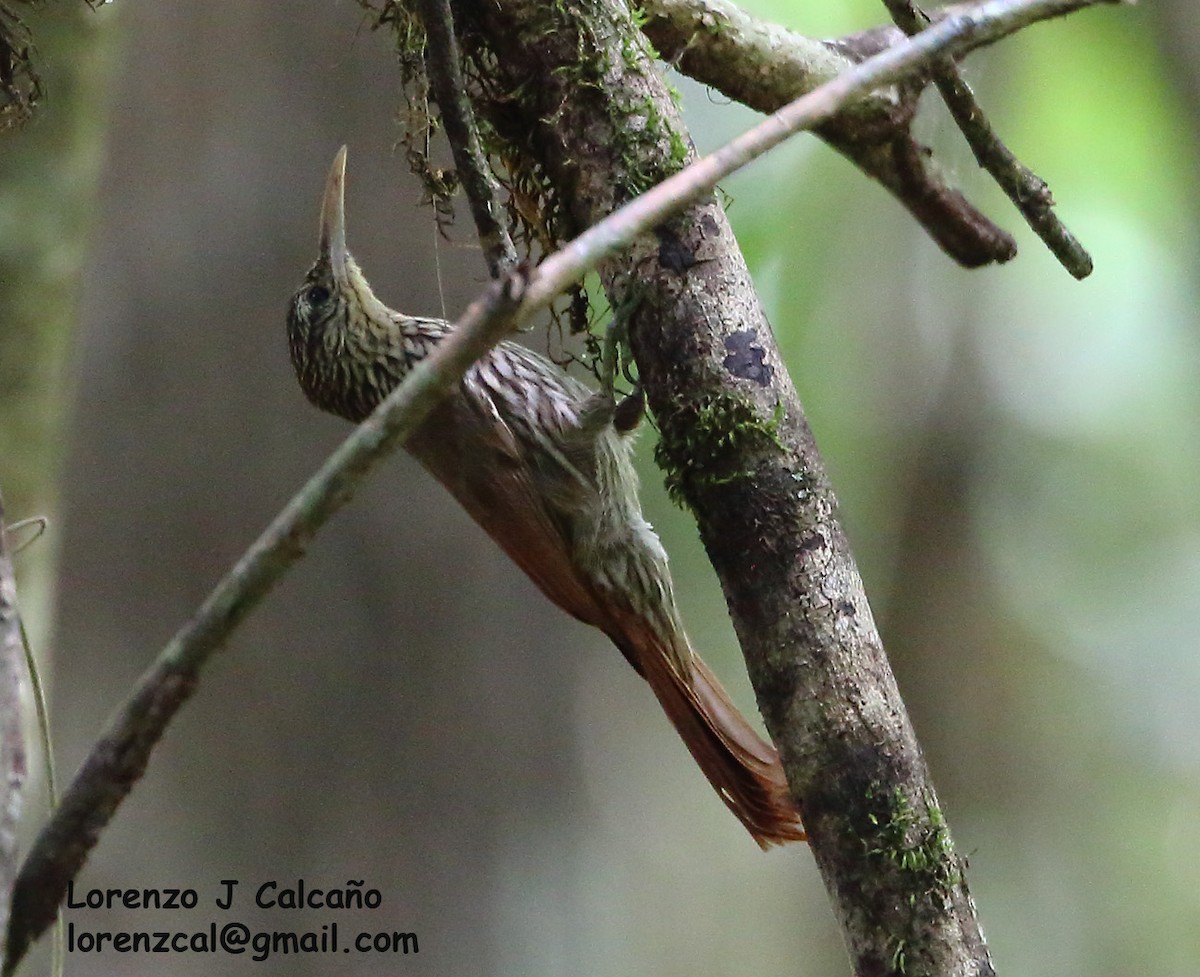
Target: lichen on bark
(600, 124)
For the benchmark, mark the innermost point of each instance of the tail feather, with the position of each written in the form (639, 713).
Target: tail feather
(743, 769)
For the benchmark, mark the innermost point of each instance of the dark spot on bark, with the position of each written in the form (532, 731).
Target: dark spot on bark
(810, 543)
(847, 608)
(775, 687)
(673, 254)
(870, 965)
(746, 359)
(708, 226)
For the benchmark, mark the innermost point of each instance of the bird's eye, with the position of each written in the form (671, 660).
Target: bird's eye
(317, 295)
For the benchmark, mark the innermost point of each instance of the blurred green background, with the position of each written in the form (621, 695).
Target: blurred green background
(1016, 455)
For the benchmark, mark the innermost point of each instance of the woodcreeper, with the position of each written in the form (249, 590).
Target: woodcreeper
(534, 456)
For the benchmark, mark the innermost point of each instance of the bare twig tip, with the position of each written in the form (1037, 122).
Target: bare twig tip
(39, 524)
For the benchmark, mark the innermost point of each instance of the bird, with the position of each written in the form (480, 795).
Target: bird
(544, 465)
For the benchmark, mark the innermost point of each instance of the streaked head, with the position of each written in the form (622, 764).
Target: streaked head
(333, 302)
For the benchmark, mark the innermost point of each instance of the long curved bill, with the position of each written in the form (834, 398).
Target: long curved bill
(333, 217)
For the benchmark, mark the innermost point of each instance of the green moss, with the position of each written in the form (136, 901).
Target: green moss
(418, 124)
(706, 444)
(915, 847)
(648, 146)
(514, 110)
(677, 147)
(915, 843)
(716, 24)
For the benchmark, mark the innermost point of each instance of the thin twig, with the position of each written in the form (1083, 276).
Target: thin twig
(13, 759)
(444, 69)
(963, 31)
(39, 524)
(120, 755)
(1024, 188)
(1028, 191)
(765, 66)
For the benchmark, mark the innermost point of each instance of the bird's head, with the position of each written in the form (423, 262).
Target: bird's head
(334, 312)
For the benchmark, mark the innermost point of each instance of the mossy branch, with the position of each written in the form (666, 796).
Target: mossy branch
(119, 757)
(20, 83)
(764, 65)
(600, 118)
(964, 30)
(474, 174)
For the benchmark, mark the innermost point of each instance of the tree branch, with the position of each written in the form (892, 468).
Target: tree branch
(967, 29)
(869, 810)
(1028, 191)
(13, 754)
(118, 759)
(737, 447)
(20, 83)
(478, 182)
(764, 65)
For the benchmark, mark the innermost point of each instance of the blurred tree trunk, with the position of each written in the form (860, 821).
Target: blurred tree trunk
(1178, 28)
(399, 711)
(405, 707)
(1179, 34)
(49, 179)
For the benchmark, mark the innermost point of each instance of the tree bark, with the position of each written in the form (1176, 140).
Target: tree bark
(738, 450)
(49, 172)
(13, 752)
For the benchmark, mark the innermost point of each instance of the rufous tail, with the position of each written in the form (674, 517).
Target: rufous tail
(743, 769)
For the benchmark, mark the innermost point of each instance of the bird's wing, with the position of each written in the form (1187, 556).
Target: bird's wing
(470, 448)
